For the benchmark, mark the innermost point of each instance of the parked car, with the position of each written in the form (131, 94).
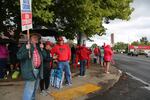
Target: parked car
(147, 54)
(135, 53)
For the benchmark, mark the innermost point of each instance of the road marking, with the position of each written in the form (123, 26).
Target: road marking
(75, 92)
(138, 79)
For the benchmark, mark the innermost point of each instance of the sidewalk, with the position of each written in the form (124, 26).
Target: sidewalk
(83, 87)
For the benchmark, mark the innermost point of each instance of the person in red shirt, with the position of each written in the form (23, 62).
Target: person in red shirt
(107, 57)
(63, 53)
(97, 53)
(83, 55)
(89, 58)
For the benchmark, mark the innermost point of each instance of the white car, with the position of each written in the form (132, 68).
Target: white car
(148, 54)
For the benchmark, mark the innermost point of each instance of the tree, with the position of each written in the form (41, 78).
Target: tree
(86, 16)
(137, 43)
(71, 17)
(93, 46)
(144, 40)
(120, 46)
(10, 13)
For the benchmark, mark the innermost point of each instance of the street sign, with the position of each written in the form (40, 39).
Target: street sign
(26, 14)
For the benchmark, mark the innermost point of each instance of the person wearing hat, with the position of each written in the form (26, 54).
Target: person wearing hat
(31, 65)
(63, 53)
(44, 83)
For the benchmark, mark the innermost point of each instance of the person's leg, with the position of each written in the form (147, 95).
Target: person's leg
(105, 64)
(67, 73)
(84, 68)
(102, 61)
(36, 86)
(81, 67)
(60, 66)
(107, 67)
(97, 59)
(28, 90)
(47, 82)
(60, 70)
(42, 84)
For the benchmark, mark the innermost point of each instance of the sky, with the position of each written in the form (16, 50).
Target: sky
(128, 31)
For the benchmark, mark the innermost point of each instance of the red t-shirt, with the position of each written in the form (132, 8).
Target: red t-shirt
(108, 54)
(62, 51)
(97, 51)
(83, 53)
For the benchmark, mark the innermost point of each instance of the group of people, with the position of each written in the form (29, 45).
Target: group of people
(103, 55)
(8, 59)
(36, 62)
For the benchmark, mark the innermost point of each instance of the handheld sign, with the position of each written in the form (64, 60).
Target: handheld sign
(26, 18)
(26, 14)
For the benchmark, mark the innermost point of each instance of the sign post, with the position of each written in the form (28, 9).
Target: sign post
(26, 18)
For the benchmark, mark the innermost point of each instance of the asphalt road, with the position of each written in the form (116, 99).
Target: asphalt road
(136, 66)
(134, 85)
(126, 89)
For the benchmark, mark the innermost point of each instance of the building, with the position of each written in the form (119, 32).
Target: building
(112, 39)
(140, 48)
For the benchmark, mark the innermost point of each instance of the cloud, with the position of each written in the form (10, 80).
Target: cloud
(134, 29)
(128, 31)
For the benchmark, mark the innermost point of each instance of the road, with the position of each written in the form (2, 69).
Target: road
(135, 82)
(136, 66)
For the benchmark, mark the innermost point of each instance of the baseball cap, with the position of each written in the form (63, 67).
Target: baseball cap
(49, 43)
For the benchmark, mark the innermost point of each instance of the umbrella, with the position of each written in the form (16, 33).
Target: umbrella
(5, 41)
(45, 32)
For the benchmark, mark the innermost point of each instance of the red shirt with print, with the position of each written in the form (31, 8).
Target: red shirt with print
(62, 51)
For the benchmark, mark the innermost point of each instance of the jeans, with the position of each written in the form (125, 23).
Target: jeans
(82, 67)
(64, 66)
(30, 89)
(3, 67)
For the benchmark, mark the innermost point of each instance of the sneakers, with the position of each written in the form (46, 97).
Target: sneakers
(79, 76)
(107, 72)
(43, 93)
(82, 76)
(48, 91)
(70, 84)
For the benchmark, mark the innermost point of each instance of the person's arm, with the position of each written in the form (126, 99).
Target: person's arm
(44, 54)
(23, 53)
(54, 50)
(69, 53)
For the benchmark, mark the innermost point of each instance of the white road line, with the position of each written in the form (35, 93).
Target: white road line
(138, 79)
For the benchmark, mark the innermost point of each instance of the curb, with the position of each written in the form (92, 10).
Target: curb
(106, 88)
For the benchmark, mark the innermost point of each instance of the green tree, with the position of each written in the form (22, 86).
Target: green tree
(93, 46)
(87, 16)
(120, 46)
(10, 13)
(135, 43)
(70, 17)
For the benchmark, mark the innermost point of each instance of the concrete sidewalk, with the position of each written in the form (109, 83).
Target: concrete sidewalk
(83, 87)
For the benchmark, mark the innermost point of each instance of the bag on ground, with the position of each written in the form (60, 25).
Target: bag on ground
(15, 75)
